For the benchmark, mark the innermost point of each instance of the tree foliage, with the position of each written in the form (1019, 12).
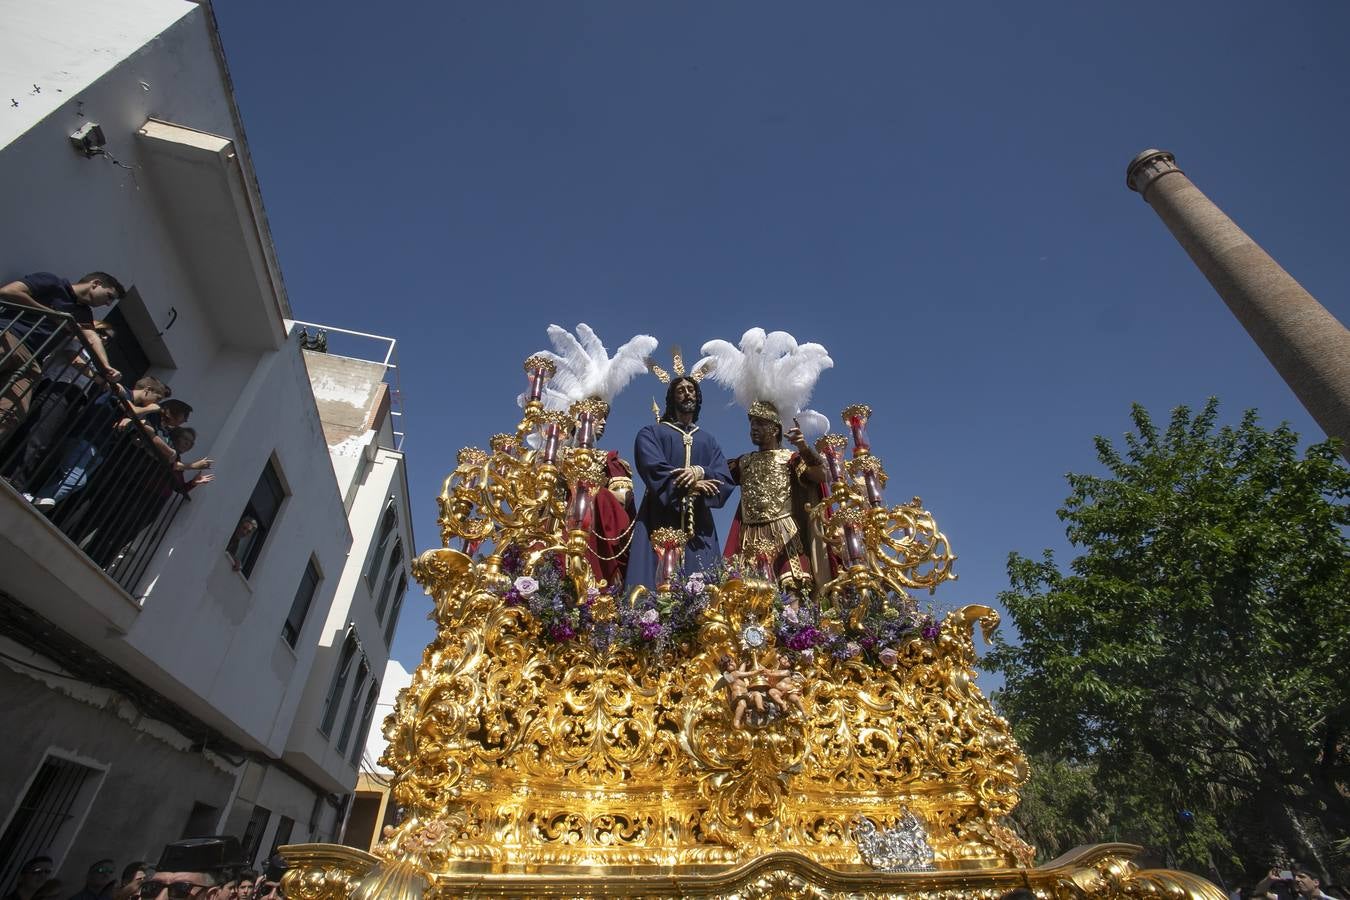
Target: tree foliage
(1194, 654)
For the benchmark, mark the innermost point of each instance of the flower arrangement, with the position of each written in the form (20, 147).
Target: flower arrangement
(659, 623)
(885, 621)
(549, 596)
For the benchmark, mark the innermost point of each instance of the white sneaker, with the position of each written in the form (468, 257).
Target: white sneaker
(44, 503)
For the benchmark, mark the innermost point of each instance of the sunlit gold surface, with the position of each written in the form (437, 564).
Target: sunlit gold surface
(530, 768)
(1101, 872)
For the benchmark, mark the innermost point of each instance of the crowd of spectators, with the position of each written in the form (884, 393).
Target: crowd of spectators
(103, 461)
(198, 868)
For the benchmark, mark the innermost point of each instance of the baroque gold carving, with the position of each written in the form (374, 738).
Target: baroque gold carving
(517, 759)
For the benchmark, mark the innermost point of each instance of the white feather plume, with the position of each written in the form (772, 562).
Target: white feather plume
(771, 366)
(585, 369)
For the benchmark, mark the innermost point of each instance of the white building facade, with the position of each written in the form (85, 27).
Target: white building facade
(219, 684)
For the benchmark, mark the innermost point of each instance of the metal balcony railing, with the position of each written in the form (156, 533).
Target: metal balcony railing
(75, 448)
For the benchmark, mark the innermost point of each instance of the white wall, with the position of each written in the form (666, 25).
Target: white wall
(383, 479)
(53, 50)
(205, 637)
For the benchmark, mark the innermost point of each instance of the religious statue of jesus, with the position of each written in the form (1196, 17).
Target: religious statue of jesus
(686, 478)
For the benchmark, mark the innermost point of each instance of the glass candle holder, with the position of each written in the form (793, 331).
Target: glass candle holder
(538, 369)
(552, 440)
(586, 430)
(855, 417)
(581, 508)
(669, 546)
(873, 488)
(855, 550)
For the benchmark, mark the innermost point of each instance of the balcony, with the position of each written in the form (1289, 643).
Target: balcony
(83, 467)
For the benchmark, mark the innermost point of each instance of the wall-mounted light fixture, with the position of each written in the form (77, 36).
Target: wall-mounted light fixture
(89, 139)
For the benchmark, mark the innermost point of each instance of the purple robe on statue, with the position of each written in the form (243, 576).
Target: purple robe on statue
(658, 452)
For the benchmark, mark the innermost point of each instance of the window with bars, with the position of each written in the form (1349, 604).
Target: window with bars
(49, 814)
(253, 833)
(304, 596)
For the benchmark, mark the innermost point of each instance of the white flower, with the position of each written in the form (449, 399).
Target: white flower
(650, 617)
(790, 613)
(695, 583)
(592, 593)
(808, 654)
(526, 586)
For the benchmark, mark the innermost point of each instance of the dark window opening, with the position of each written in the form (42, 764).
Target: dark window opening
(367, 715)
(390, 576)
(201, 822)
(253, 833)
(336, 690)
(285, 825)
(304, 596)
(398, 605)
(353, 706)
(263, 505)
(387, 525)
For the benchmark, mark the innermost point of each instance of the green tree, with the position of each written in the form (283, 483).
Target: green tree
(1195, 652)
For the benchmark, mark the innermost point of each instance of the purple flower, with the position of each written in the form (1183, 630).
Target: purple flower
(930, 631)
(526, 586)
(651, 631)
(805, 639)
(851, 649)
(561, 632)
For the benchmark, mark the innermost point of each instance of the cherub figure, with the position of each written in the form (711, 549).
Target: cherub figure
(785, 685)
(739, 695)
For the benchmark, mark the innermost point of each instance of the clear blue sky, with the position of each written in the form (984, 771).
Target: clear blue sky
(933, 191)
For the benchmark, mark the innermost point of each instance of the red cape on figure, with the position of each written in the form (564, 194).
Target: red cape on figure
(612, 531)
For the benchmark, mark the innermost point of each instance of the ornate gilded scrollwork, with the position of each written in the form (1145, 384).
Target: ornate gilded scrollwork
(734, 771)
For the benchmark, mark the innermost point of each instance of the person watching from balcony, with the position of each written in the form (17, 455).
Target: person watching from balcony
(63, 391)
(127, 492)
(20, 346)
(183, 440)
(88, 445)
(145, 489)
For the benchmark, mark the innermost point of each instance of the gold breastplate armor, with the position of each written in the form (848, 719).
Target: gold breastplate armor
(766, 486)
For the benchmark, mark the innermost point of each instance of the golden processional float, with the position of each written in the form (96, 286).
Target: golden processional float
(716, 736)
